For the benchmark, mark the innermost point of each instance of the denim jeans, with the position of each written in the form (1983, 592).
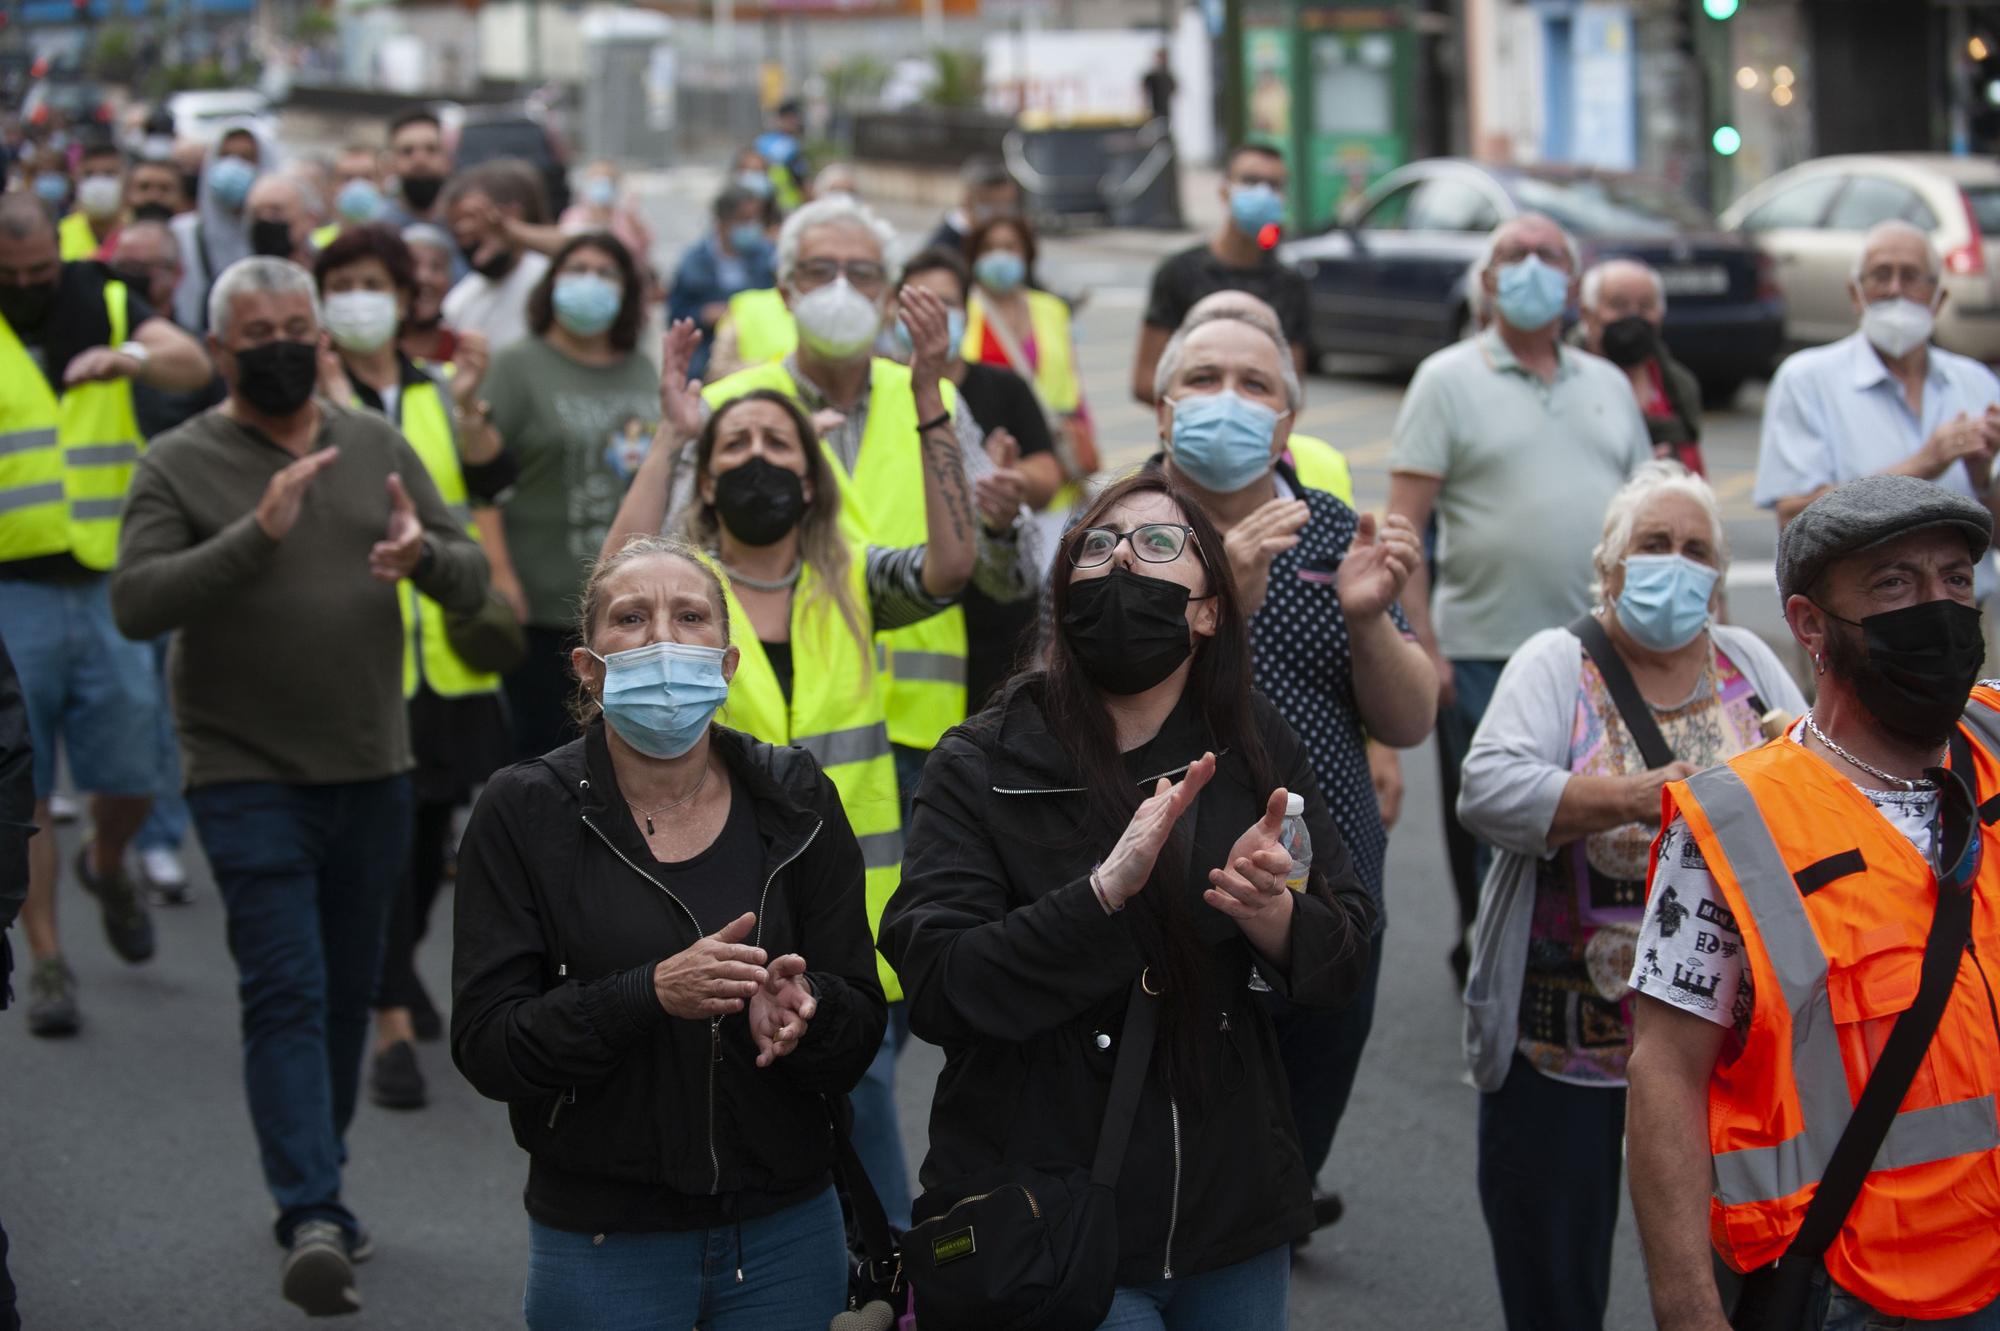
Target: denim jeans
(306, 875)
(1249, 1296)
(878, 1133)
(1474, 682)
(1322, 1052)
(784, 1272)
(88, 690)
(1550, 1154)
(167, 821)
(1846, 1313)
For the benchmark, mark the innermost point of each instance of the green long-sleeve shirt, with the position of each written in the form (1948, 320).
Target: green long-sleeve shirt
(288, 662)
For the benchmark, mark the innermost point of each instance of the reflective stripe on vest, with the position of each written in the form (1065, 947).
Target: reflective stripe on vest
(78, 241)
(882, 503)
(427, 651)
(1055, 367)
(835, 713)
(764, 329)
(65, 462)
(1321, 466)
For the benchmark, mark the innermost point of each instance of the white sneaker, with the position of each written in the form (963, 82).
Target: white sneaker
(165, 880)
(65, 808)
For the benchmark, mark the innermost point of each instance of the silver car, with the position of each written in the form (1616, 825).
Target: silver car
(1810, 221)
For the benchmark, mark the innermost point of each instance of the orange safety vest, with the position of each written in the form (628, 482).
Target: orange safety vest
(1834, 905)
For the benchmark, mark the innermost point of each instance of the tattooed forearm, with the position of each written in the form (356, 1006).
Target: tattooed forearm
(940, 447)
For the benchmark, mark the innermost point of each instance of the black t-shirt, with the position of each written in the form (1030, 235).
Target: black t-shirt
(1187, 277)
(996, 634)
(999, 399)
(725, 880)
(779, 654)
(1159, 86)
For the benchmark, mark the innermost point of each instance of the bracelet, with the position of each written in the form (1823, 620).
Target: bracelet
(1097, 890)
(942, 418)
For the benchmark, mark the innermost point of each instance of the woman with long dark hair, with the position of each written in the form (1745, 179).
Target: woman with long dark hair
(1119, 811)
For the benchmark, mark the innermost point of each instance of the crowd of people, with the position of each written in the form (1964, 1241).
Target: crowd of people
(812, 686)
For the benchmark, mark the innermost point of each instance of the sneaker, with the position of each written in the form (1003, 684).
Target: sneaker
(360, 1246)
(128, 925)
(65, 809)
(165, 881)
(394, 1079)
(52, 999)
(317, 1274)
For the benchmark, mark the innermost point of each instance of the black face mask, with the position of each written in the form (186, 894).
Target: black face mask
(1916, 666)
(759, 501)
(497, 265)
(278, 377)
(191, 185)
(1630, 341)
(26, 308)
(420, 192)
(152, 212)
(1127, 631)
(271, 238)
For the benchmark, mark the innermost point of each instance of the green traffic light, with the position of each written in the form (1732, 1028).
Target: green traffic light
(1726, 140)
(1720, 9)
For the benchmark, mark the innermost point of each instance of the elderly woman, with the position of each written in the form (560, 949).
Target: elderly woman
(1556, 780)
(662, 964)
(1328, 641)
(1045, 872)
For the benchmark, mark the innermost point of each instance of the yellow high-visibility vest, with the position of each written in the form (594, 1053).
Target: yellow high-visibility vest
(427, 654)
(764, 328)
(65, 463)
(77, 239)
(787, 189)
(1055, 369)
(325, 236)
(1321, 466)
(882, 503)
(836, 714)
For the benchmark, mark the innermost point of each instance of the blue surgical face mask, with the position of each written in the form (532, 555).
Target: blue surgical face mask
(1254, 207)
(747, 238)
(1665, 600)
(1001, 271)
(360, 202)
(755, 182)
(600, 191)
(661, 697)
(52, 187)
(1530, 294)
(1222, 442)
(586, 303)
(229, 181)
(897, 343)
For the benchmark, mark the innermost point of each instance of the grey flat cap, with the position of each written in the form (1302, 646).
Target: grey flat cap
(1868, 512)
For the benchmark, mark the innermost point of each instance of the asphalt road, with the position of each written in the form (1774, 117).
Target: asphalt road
(128, 1175)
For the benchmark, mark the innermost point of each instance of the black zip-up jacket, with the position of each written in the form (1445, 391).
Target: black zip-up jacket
(1009, 962)
(634, 1119)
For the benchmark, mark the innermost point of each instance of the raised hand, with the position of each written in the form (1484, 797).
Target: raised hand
(1377, 566)
(924, 314)
(395, 556)
(1130, 863)
(1250, 886)
(469, 375)
(782, 1009)
(1271, 529)
(680, 393)
(715, 977)
(285, 493)
(999, 493)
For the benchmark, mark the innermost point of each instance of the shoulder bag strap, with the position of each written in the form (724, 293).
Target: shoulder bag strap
(871, 1222)
(1128, 1079)
(1632, 708)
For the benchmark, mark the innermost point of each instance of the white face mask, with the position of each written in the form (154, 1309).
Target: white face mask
(837, 321)
(1897, 326)
(361, 320)
(100, 196)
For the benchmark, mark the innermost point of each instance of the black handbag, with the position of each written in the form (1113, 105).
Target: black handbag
(1791, 1294)
(1018, 1246)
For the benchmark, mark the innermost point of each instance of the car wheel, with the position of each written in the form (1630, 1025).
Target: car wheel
(1719, 393)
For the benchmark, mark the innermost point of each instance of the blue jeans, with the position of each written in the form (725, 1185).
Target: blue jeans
(1846, 1313)
(87, 689)
(792, 1268)
(306, 874)
(1550, 1154)
(167, 822)
(1474, 681)
(1249, 1296)
(878, 1134)
(1322, 1053)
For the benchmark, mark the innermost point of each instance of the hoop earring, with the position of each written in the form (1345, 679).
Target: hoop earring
(1819, 664)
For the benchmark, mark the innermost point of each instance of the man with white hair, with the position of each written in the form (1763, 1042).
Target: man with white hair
(1882, 399)
(1515, 443)
(1624, 307)
(275, 534)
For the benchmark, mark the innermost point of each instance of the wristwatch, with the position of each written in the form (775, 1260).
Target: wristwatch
(137, 351)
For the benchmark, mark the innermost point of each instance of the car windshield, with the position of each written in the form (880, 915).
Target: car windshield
(1610, 205)
(1984, 200)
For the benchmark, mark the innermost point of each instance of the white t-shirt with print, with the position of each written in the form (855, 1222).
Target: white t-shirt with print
(1690, 952)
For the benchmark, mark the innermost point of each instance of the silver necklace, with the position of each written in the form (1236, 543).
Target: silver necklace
(762, 584)
(647, 814)
(1921, 783)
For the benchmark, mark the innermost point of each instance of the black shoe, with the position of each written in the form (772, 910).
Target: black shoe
(427, 1023)
(394, 1080)
(317, 1274)
(128, 925)
(52, 999)
(1461, 962)
(1327, 1209)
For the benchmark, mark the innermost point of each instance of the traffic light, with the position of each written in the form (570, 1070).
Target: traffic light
(1720, 10)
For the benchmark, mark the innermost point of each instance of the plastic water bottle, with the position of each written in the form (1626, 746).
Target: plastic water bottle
(1297, 842)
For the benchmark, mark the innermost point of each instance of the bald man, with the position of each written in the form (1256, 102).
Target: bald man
(1624, 306)
(281, 217)
(1882, 399)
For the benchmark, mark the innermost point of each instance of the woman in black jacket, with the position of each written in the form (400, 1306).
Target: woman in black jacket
(662, 963)
(1052, 857)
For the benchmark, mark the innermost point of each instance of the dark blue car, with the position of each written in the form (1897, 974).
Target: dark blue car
(1391, 276)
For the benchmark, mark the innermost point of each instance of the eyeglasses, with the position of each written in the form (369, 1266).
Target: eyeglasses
(1153, 542)
(1887, 277)
(864, 274)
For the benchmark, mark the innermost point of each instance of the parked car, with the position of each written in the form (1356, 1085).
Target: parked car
(488, 133)
(80, 101)
(1390, 276)
(1810, 221)
(205, 115)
